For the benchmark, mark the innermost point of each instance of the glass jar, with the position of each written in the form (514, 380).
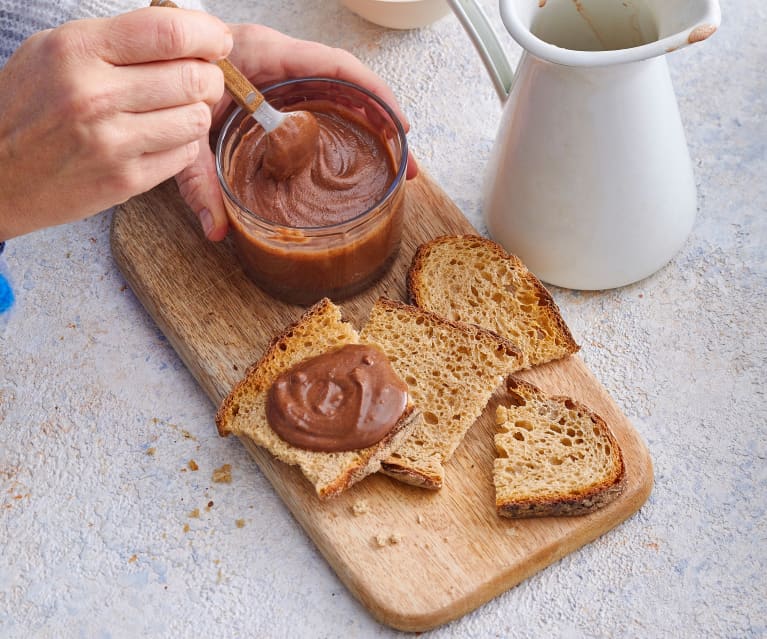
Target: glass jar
(301, 265)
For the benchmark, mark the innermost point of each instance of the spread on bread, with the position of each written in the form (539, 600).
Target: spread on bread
(243, 412)
(345, 399)
(400, 395)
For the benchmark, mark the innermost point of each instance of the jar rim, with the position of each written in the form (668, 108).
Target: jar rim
(398, 177)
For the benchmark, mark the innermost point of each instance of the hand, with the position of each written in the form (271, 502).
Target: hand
(266, 56)
(96, 111)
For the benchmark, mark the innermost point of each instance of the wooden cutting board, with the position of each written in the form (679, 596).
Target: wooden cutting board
(452, 552)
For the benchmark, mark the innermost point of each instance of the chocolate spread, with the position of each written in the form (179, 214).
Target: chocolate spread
(351, 173)
(291, 147)
(346, 399)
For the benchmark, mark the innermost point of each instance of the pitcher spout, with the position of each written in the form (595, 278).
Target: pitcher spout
(586, 33)
(601, 32)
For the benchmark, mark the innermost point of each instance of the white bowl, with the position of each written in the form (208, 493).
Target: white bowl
(399, 14)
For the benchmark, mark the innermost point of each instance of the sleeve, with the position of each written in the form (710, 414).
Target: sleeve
(19, 19)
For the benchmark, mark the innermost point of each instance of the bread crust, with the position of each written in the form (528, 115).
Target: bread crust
(417, 287)
(579, 502)
(510, 348)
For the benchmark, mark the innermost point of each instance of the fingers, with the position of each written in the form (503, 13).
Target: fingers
(266, 55)
(159, 85)
(412, 167)
(153, 33)
(198, 185)
(164, 129)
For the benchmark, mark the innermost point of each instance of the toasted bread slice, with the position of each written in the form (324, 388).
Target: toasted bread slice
(554, 456)
(472, 279)
(451, 370)
(243, 412)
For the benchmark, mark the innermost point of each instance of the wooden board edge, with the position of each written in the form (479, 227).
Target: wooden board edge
(603, 522)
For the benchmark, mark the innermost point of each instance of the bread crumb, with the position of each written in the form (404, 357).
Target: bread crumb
(209, 506)
(419, 518)
(193, 465)
(186, 528)
(151, 451)
(360, 507)
(382, 539)
(223, 475)
(133, 559)
(240, 523)
(195, 513)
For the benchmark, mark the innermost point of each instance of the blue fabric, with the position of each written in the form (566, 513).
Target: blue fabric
(19, 20)
(6, 295)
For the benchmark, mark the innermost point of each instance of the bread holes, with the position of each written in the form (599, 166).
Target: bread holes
(516, 399)
(554, 464)
(430, 418)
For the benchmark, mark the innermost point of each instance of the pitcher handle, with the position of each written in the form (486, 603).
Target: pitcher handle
(485, 39)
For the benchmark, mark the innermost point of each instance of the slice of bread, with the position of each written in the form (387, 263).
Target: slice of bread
(243, 411)
(451, 370)
(554, 456)
(472, 279)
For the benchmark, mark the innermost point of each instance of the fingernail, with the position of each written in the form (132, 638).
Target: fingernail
(228, 44)
(206, 219)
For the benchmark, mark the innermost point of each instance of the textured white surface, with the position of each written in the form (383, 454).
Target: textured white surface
(92, 525)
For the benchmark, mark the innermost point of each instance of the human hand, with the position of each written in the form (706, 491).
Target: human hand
(265, 56)
(96, 111)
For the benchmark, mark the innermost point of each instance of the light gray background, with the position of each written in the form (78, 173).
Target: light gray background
(91, 526)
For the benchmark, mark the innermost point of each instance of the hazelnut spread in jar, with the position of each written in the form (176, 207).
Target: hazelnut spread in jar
(351, 169)
(334, 226)
(346, 399)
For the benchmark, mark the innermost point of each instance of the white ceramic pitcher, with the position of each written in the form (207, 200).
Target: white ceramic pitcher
(590, 181)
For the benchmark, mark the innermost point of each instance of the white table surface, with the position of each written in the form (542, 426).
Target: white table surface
(99, 418)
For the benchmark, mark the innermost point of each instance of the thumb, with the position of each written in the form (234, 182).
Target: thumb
(198, 185)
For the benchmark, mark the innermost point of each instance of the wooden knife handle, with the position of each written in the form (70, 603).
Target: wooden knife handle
(237, 85)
